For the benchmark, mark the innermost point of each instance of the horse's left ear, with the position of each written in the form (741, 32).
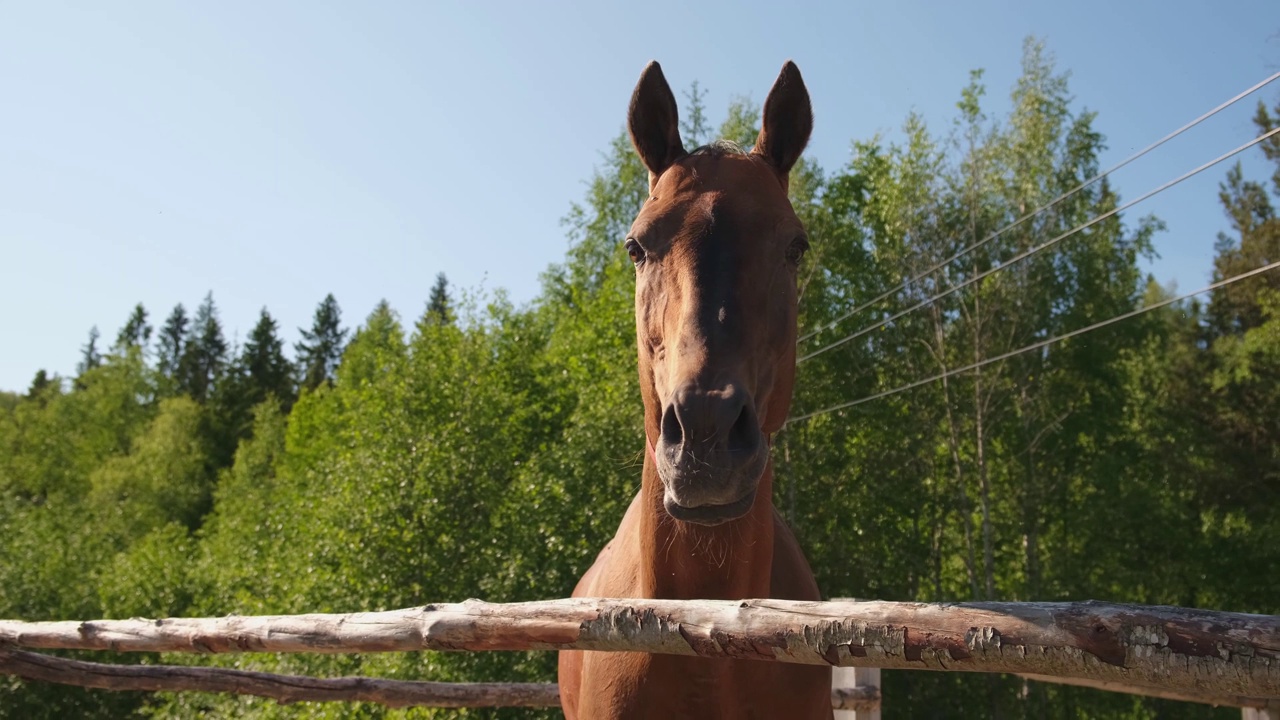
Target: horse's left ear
(788, 120)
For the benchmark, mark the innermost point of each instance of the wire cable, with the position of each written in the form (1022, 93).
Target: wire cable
(876, 300)
(1037, 345)
(1028, 253)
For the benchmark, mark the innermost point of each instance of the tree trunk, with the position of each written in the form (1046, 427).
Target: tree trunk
(953, 444)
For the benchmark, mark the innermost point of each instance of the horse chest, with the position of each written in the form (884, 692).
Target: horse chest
(666, 687)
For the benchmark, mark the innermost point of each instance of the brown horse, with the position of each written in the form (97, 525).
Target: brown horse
(716, 248)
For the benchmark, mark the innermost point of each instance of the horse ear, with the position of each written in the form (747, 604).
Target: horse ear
(788, 120)
(654, 122)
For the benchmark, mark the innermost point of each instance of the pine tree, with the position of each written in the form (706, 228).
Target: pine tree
(90, 357)
(1235, 309)
(205, 353)
(693, 124)
(39, 383)
(1243, 327)
(321, 347)
(440, 305)
(259, 372)
(172, 342)
(136, 332)
(269, 372)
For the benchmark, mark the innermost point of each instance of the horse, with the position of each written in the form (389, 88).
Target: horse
(716, 247)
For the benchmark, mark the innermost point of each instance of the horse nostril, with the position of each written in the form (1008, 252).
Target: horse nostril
(672, 432)
(744, 435)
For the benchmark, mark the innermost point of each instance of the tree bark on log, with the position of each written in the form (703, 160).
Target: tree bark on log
(1203, 698)
(287, 689)
(1191, 651)
(284, 689)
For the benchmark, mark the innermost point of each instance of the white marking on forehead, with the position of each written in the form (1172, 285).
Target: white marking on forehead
(721, 315)
(707, 204)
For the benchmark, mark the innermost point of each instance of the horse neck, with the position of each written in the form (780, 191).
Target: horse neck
(686, 561)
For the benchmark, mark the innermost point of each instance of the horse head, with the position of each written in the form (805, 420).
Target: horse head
(716, 247)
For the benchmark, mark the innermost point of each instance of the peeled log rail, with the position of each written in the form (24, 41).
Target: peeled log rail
(293, 688)
(1192, 651)
(281, 688)
(287, 689)
(1218, 700)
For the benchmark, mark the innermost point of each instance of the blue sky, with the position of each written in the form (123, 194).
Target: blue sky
(274, 152)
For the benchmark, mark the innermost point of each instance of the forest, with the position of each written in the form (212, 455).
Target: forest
(488, 449)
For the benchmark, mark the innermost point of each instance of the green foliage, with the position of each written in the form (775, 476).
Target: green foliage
(321, 346)
(152, 578)
(693, 123)
(171, 344)
(38, 384)
(614, 196)
(246, 524)
(90, 356)
(54, 554)
(162, 479)
(260, 372)
(269, 372)
(742, 125)
(490, 450)
(439, 304)
(203, 354)
(136, 332)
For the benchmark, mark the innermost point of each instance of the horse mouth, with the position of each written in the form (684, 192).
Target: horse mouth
(710, 515)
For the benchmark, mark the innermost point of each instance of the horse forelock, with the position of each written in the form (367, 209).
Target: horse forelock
(720, 147)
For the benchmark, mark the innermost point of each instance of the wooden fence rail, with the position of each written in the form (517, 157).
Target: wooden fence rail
(1212, 656)
(281, 688)
(287, 689)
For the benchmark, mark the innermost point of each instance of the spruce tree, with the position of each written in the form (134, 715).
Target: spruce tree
(1255, 242)
(321, 347)
(259, 372)
(269, 372)
(440, 305)
(693, 124)
(205, 353)
(90, 357)
(1242, 325)
(172, 342)
(136, 332)
(39, 383)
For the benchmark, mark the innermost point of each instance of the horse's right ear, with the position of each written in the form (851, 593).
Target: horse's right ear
(654, 122)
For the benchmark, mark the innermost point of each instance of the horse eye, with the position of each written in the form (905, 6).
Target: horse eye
(797, 249)
(634, 251)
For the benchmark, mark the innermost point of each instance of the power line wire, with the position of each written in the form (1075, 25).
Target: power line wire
(876, 300)
(1038, 345)
(1028, 253)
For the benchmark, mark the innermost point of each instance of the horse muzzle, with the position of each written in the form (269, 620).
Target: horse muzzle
(710, 454)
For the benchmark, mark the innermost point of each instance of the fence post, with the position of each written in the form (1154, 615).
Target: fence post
(848, 678)
(1271, 712)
